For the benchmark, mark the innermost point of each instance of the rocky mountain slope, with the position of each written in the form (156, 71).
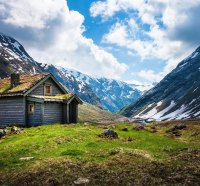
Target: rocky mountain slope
(108, 94)
(14, 58)
(112, 93)
(177, 96)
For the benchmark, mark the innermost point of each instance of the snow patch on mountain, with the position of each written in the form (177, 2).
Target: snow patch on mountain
(179, 92)
(105, 93)
(14, 48)
(194, 55)
(113, 94)
(177, 114)
(151, 113)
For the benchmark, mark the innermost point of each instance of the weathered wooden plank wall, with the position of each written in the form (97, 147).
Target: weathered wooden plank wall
(40, 89)
(12, 111)
(53, 113)
(35, 118)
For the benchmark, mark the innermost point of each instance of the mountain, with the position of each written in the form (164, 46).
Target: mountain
(113, 94)
(105, 93)
(177, 96)
(14, 58)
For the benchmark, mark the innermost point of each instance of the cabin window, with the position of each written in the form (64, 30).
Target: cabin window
(31, 108)
(47, 89)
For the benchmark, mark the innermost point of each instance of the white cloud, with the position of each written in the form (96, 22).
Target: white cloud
(30, 13)
(142, 86)
(124, 35)
(150, 75)
(53, 34)
(173, 29)
(108, 8)
(133, 26)
(118, 34)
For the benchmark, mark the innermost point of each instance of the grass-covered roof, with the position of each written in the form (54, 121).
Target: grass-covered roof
(61, 97)
(26, 82)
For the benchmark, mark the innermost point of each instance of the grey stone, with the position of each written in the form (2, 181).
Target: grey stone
(2, 133)
(109, 134)
(81, 181)
(15, 130)
(26, 158)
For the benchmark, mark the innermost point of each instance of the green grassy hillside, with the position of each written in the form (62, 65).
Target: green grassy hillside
(91, 113)
(63, 153)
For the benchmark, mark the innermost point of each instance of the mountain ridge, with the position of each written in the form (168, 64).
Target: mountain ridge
(176, 96)
(14, 58)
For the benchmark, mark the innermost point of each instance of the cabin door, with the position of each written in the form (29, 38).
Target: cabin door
(73, 112)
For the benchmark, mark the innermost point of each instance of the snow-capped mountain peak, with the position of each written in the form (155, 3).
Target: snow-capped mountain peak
(109, 94)
(14, 48)
(113, 94)
(177, 96)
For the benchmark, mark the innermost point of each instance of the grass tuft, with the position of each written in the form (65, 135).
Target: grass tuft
(73, 152)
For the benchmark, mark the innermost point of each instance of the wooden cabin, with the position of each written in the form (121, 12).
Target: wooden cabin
(31, 100)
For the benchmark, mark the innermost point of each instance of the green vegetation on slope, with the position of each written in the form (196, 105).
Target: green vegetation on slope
(91, 113)
(63, 153)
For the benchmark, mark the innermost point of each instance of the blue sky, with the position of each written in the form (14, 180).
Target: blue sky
(137, 41)
(95, 28)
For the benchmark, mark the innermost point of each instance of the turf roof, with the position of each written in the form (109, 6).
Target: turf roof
(61, 97)
(26, 82)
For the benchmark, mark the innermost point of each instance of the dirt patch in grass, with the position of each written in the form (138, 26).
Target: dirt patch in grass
(123, 169)
(190, 131)
(176, 122)
(182, 169)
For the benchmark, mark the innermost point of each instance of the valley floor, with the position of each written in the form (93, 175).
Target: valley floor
(166, 153)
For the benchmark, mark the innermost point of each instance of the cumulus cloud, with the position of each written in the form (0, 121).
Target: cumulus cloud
(125, 35)
(108, 8)
(33, 14)
(172, 34)
(118, 34)
(53, 34)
